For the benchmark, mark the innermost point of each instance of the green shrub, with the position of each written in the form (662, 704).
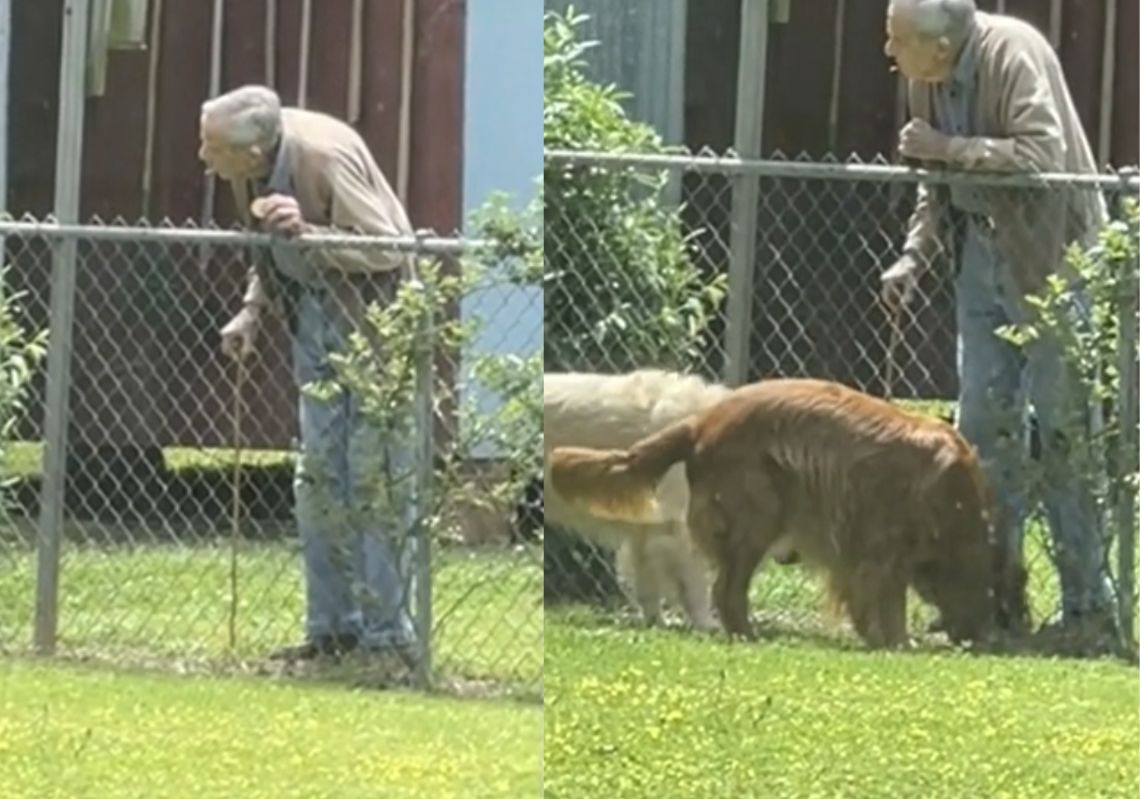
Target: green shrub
(621, 288)
(21, 352)
(1108, 271)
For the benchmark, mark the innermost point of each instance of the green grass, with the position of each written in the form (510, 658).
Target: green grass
(668, 715)
(809, 713)
(72, 733)
(930, 407)
(171, 603)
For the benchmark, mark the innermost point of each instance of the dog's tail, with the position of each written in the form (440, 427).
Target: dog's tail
(621, 484)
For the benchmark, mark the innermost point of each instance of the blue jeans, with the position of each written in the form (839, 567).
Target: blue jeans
(354, 501)
(995, 380)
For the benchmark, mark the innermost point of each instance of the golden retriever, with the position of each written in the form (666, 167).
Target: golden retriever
(877, 498)
(656, 558)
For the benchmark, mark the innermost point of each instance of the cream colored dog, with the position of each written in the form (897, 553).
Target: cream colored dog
(655, 560)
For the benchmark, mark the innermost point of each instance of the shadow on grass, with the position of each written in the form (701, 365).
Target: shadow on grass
(353, 673)
(776, 628)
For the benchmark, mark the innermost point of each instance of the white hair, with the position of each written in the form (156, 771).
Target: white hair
(936, 19)
(249, 116)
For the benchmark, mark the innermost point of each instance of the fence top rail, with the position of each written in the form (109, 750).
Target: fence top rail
(1124, 181)
(424, 242)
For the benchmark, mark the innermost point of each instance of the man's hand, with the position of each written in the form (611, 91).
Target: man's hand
(900, 282)
(919, 140)
(239, 334)
(279, 214)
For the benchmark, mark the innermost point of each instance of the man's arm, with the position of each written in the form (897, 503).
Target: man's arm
(923, 237)
(359, 207)
(923, 231)
(1033, 140)
(255, 293)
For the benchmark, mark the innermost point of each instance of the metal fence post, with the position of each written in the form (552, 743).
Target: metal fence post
(751, 82)
(1130, 450)
(425, 456)
(69, 159)
(5, 57)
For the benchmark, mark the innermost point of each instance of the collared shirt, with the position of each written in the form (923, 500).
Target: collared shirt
(1016, 67)
(279, 180)
(289, 261)
(954, 105)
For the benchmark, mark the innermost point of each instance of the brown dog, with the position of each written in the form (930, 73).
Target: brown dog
(876, 497)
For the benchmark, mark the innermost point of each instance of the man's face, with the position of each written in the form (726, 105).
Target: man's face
(919, 57)
(223, 159)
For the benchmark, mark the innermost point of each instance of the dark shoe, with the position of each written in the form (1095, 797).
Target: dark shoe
(1081, 634)
(406, 652)
(320, 646)
(409, 654)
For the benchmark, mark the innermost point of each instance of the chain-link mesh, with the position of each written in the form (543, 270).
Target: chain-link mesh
(214, 511)
(739, 270)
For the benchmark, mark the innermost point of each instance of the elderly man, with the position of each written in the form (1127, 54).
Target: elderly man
(313, 173)
(987, 93)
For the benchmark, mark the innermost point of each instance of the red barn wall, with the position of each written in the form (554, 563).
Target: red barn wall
(146, 368)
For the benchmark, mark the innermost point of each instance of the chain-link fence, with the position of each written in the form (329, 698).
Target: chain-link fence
(738, 270)
(352, 483)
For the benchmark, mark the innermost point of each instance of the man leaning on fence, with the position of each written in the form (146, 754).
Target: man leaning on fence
(314, 174)
(987, 94)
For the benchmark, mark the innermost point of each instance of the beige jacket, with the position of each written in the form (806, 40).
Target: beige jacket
(325, 164)
(1024, 121)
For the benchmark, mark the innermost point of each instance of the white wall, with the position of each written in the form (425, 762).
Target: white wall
(503, 153)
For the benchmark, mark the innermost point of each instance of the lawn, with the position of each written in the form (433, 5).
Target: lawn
(808, 713)
(668, 715)
(168, 605)
(162, 592)
(193, 721)
(78, 733)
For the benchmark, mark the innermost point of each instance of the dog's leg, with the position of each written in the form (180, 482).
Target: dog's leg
(690, 576)
(892, 612)
(876, 604)
(708, 527)
(735, 522)
(856, 596)
(731, 590)
(643, 575)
